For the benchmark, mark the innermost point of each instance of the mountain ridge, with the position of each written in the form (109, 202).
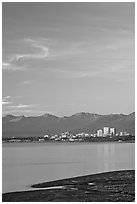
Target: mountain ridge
(76, 114)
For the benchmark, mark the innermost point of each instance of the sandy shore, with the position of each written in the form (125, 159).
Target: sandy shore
(116, 186)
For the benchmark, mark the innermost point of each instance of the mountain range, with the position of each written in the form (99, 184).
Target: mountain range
(22, 126)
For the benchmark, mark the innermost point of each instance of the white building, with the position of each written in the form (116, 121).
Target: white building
(86, 135)
(113, 131)
(124, 134)
(46, 136)
(106, 130)
(41, 140)
(100, 133)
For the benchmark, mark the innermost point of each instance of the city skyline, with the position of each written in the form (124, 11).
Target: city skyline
(64, 58)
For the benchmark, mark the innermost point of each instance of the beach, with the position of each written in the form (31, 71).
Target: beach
(115, 186)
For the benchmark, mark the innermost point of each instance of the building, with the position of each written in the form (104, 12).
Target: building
(86, 135)
(112, 131)
(106, 130)
(65, 135)
(41, 140)
(124, 134)
(99, 133)
(46, 136)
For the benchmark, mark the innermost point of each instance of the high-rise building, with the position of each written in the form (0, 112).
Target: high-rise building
(113, 131)
(106, 130)
(100, 133)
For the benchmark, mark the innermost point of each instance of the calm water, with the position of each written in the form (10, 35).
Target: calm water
(28, 163)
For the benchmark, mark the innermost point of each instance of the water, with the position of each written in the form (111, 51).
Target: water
(27, 163)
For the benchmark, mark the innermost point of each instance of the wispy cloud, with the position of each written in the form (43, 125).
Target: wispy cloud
(22, 106)
(4, 64)
(5, 100)
(19, 61)
(36, 51)
(113, 69)
(9, 107)
(6, 103)
(12, 67)
(42, 52)
(26, 112)
(7, 97)
(26, 82)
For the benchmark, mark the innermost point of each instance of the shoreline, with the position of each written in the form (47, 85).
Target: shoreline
(114, 186)
(65, 142)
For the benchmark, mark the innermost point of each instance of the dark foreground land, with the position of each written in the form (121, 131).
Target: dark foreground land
(116, 186)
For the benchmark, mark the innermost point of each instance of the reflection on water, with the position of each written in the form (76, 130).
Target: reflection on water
(26, 164)
(106, 155)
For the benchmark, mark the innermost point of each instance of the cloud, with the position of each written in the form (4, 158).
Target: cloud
(19, 108)
(40, 49)
(22, 106)
(37, 53)
(12, 67)
(7, 104)
(44, 53)
(105, 69)
(18, 61)
(26, 112)
(4, 64)
(5, 100)
(41, 52)
(27, 82)
(8, 97)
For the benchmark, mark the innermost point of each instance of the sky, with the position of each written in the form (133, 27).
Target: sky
(64, 58)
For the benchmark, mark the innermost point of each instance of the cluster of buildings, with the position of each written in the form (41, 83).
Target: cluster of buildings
(67, 136)
(110, 131)
(106, 131)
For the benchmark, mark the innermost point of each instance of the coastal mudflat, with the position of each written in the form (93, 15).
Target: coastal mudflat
(116, 186)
